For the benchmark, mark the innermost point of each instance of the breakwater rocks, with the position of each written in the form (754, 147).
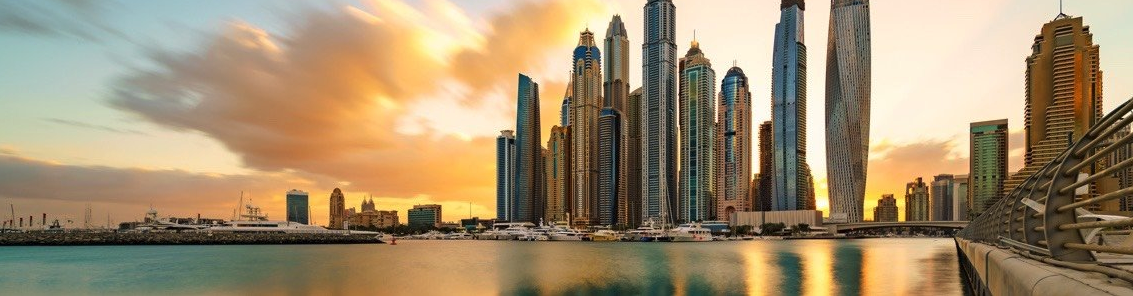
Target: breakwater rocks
(185, 238)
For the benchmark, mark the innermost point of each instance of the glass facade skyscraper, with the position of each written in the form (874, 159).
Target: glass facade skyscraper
(586, 104)
(659, 112)
(941, 198)
(847, 107)
(788, 110)
(733, 145)
(505, 174)
(611, 185)
(987, 165)
(697, 94)
(528, 154)
(298, 210)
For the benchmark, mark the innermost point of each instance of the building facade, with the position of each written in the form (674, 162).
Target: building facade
(586, 104)
(917, 202)
(733, 144)
(788, 109)
(847, 106)
(616, 67)
(886, 210)
(942, 198)
(659, 111)
(633, 158)
(425, 215)
(558, 175)
(961, 186)
(987, 164)
(611, 178)
(1063, 91)
(764, 197)
(505, 175)
(697, 94)
(527, 204)
(337, 209)
(298, 209)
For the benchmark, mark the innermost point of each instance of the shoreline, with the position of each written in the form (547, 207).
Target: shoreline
(184, 238)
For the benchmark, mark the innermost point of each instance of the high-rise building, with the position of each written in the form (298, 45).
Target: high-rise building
(1063, 94)
(886, 210)
(788, 109)
(558, 175)
(764, 197)
(528, 153)
(733, 144)
(961, 185)
(337, 209)
(425, 215)
(1125, 176)
(616, 69)
(505, 175)
(847, 106)
(586, 106)
(564, 113)
(697, 98)
(611, 185)
(298, 210)
(916, 201)
(810, 202)
(987, 165)
(659, 111)
(633, 158)
(942, 197)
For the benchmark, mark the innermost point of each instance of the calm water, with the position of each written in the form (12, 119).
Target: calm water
(812, 267)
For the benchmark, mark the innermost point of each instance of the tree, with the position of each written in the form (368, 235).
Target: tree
(771, 228)
(803, 227)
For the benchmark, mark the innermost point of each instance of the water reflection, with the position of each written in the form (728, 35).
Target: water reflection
(848, 267)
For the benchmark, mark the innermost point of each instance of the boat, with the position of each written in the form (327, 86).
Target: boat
(255, 221)
(605, 235)
(690, 233)
(567, 234)
(645, 233)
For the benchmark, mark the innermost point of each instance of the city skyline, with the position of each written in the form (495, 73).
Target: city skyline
(154, 136)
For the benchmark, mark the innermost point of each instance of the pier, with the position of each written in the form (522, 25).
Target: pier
(1041, 239)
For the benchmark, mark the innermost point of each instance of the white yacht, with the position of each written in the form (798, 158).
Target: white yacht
(690, 233)
(254, 221)
(645, 233)
(567, 234)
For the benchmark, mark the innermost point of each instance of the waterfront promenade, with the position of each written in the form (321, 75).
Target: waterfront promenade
(185, 238)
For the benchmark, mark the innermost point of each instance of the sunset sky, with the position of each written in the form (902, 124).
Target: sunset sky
(183, 105)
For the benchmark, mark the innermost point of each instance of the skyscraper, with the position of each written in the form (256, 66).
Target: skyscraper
(616, 69)
(697, 94)
(528, 153)
(1125, 176)
(733, 144)
(764, 197)
(886, 210)
(505, 175)
(658, 111)
(611, 185)
(337, 209)
(633, 158)
(586, 102)
(847, 106)
(987, 165)
(1063, 93)
(961, 185)
(916, 201)
(558, 175)
(942, 198)
(788, 109)
(298, 210)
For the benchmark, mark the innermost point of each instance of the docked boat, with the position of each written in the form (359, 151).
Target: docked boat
(605, 235)
(645, 233)
(255, 221)
(690, 233)
(567, 234)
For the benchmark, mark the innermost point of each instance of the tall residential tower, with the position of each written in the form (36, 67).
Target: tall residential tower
(987, 165)
(527, 204)
(659, 111)
(697, 94)
(847, 107)
(586, 105)
(505, 174)
(733, 145)
(788, 110)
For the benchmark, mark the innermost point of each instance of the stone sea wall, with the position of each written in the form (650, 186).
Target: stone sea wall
(91, 239)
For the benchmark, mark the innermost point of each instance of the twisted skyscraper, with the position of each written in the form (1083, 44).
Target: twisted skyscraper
(658, 111)
(788, 110)
(847, 107)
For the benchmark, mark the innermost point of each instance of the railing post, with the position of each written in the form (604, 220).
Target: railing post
(1030, 235)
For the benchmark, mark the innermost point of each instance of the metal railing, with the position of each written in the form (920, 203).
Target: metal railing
(1045, 217)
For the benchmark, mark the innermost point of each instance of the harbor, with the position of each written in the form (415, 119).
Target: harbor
(183, 238)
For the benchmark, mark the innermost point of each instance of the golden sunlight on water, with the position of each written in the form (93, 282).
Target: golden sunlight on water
(799, 267)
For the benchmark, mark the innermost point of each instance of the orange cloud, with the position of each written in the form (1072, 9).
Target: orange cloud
(331, 96)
